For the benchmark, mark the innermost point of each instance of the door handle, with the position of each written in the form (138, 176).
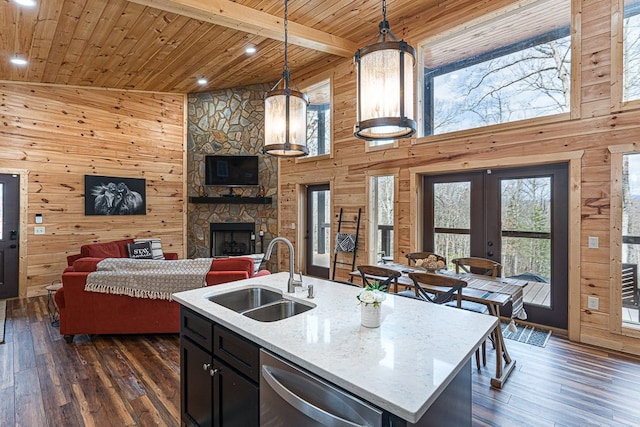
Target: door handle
(297, 402)
(490, 253)
(13, 246)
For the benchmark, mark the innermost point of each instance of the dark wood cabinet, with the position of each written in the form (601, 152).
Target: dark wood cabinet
(219, 377)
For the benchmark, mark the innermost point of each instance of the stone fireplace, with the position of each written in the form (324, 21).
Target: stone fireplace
(232, 238)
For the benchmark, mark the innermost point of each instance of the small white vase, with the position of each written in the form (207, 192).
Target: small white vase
(371, 316)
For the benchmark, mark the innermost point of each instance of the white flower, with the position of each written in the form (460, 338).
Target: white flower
(374, 297)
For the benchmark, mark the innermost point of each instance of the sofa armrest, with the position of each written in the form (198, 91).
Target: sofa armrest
(72, 258)
(86, 264)
(233, 264)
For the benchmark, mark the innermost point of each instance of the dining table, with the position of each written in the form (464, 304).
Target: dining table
(493, 292)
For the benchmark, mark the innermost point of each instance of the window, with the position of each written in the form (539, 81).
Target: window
(319, 118)
(382, 217)
(630, 237)
(631, 54)
(513, 67)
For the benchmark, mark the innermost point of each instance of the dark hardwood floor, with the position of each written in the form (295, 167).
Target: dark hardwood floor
(134, 380)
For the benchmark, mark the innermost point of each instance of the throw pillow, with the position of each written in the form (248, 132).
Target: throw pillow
(140, 250)
(156, 247)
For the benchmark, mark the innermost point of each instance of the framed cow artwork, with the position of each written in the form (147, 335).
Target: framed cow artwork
(108, 195)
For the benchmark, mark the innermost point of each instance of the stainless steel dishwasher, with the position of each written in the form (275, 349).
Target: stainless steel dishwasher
(290, 396)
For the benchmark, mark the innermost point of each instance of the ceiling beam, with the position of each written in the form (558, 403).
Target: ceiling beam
(242, 18)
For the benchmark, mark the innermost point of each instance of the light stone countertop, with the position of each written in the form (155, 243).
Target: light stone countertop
(401, 367)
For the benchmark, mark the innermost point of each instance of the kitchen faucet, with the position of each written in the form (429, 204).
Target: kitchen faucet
(292, 282)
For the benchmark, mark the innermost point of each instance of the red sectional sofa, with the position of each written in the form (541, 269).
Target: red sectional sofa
(83, 312)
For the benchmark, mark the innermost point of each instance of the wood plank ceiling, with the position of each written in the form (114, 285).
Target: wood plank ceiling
(126, 44)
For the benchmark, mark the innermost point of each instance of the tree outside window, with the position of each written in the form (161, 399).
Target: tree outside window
(516, 79)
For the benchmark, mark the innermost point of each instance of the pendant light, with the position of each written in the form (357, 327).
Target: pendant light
(285, 113)
(385, 86)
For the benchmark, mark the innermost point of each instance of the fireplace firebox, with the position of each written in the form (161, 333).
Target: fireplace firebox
(232, 238)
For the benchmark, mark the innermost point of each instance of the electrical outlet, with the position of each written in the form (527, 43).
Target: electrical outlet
(594, 242)
(593, 303)
(38, 230)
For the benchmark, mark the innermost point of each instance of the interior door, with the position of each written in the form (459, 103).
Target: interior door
(517, 217)
(9, 232)
(318, 231)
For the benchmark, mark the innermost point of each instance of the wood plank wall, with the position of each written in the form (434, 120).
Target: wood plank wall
(583, 135)
(57, 135)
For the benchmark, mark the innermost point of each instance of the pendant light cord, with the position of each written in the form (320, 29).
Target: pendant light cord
(384, 10)
(286, 39)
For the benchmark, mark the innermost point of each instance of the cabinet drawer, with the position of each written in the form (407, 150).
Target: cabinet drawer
(198, 328)
(238, 352)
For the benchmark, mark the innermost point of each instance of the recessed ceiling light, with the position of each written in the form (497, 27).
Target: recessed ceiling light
(16, 60)
(27, 3)
(250, 50)
(202, 81)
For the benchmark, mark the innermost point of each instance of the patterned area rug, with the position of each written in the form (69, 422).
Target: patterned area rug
(3, 318)
(527, 334)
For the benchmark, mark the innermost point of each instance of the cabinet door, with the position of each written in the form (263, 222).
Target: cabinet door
(237, 399)
(196, 384)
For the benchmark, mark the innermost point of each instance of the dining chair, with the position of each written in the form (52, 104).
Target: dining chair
(442, 290)
(385, 276)
(412, 257)
(483, 266)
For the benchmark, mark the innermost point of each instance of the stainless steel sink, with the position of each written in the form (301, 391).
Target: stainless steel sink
(246, 299)
(278, 310)
(260, 304)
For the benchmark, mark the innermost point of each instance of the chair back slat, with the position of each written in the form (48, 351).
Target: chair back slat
(444, 288)
(385, 276)
(483, 266)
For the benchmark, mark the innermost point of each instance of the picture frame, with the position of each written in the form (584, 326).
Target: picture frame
(108, 195)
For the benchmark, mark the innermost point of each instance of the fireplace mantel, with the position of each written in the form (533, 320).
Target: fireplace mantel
(232, 200)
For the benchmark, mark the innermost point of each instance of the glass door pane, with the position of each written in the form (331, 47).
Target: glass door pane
(452, 219)
(318, 233)
(526, 235)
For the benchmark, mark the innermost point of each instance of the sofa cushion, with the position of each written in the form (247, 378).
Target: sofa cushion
(115, 249)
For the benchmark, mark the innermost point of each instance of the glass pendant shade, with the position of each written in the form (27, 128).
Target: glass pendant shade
(285, 123)
(385, 91)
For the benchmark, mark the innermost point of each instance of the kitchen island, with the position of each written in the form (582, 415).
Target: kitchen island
(402, 367)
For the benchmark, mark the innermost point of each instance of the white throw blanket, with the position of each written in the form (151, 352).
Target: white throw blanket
(148, 278)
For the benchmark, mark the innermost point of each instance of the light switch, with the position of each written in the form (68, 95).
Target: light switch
(593, 242)
(593, 303)
(38, 230)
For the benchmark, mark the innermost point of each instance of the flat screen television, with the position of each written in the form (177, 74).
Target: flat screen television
(231, 171)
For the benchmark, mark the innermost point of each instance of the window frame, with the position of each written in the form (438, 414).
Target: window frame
(618, 15)
(575, 95)
(370, 251)
(317, 80)
(616, 325)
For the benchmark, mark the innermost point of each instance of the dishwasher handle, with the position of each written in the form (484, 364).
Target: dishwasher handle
(302, 405)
